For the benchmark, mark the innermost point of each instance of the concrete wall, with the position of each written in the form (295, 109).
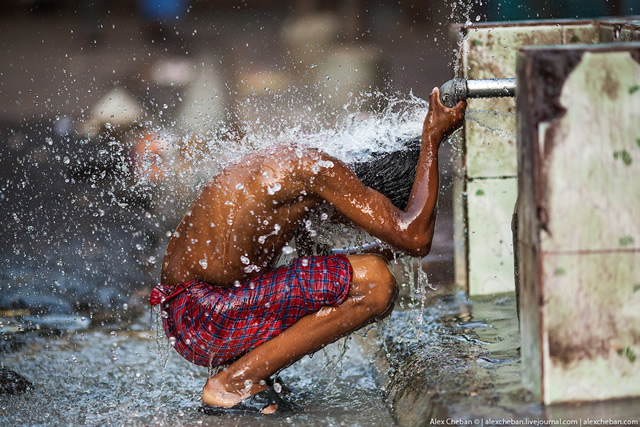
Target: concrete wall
(485, 186)
(579, 234)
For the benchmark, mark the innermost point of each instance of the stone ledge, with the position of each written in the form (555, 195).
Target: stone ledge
(463, 364)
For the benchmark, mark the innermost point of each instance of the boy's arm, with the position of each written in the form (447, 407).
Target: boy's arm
(410, 230)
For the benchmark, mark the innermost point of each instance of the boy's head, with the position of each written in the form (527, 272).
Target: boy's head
(391, 173)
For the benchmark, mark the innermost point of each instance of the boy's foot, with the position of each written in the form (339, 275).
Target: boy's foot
(265, 402)
(216, 394)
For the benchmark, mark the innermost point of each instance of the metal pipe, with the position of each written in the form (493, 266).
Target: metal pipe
(459, 89)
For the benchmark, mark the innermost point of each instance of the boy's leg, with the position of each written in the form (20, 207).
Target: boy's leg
(372, 293)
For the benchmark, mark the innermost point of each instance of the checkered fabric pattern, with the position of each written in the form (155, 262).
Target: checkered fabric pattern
(214, 325)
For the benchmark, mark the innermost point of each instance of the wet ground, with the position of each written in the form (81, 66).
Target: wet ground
(115, 376)
(445, 357)
(463, 365)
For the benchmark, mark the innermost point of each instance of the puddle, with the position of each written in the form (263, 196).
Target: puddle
(105, 377)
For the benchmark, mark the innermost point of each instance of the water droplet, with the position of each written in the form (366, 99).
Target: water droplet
(287, 250)
(239, 186)
(274, 189)
(172, 341)
(203, 263)
(251, 268)
(245, 260)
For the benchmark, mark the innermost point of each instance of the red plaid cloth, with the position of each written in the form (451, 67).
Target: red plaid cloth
(212, 325)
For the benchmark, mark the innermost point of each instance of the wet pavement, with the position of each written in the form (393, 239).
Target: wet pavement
(115, 376)
(463, 366)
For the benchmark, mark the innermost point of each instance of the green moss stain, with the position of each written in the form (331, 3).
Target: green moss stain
(636, 287)
(633, 89)
(574, 39)
(628, 353)
(638, 142)
(625, 240)
(624, 156)
(560, 272)
(480, 192)
(476, 42)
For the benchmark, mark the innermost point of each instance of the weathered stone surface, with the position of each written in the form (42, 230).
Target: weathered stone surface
(490, 138)
(578, 229)
(591, 158)
(591, 325)
(489, 51)
(490, 204)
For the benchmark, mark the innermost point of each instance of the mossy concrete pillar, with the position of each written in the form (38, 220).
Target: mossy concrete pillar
(485, 183)
(579, 220)
(485, 176)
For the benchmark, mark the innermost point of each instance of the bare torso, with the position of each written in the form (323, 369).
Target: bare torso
(237, 226)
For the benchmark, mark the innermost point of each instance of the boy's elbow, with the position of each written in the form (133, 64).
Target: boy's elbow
(419, 246)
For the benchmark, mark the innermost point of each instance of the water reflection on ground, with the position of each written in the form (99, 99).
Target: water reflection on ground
(106, 376)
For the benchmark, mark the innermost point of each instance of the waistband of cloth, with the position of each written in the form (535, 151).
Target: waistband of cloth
(163, 293)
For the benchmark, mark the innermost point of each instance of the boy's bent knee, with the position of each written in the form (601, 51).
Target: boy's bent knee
(374, 283)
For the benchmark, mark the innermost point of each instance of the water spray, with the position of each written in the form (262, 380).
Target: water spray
(459, 89)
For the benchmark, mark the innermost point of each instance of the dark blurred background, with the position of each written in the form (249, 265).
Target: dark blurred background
(86, 85)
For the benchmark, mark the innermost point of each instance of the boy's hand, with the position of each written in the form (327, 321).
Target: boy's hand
(440, 120)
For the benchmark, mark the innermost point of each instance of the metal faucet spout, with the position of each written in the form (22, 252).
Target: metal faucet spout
(459, 89)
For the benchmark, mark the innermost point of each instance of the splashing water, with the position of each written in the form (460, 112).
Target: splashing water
(185, 166)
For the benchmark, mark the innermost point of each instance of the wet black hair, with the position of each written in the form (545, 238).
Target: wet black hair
(391, 173)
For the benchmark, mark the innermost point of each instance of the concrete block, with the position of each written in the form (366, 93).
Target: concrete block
(489, 51)
(591, 325)
(578, 231)
(490, 206)
(490, 138)
(586, 33)
(603, 145)
(607, 33)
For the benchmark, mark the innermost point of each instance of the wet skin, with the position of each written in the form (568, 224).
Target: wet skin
(237, 226)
